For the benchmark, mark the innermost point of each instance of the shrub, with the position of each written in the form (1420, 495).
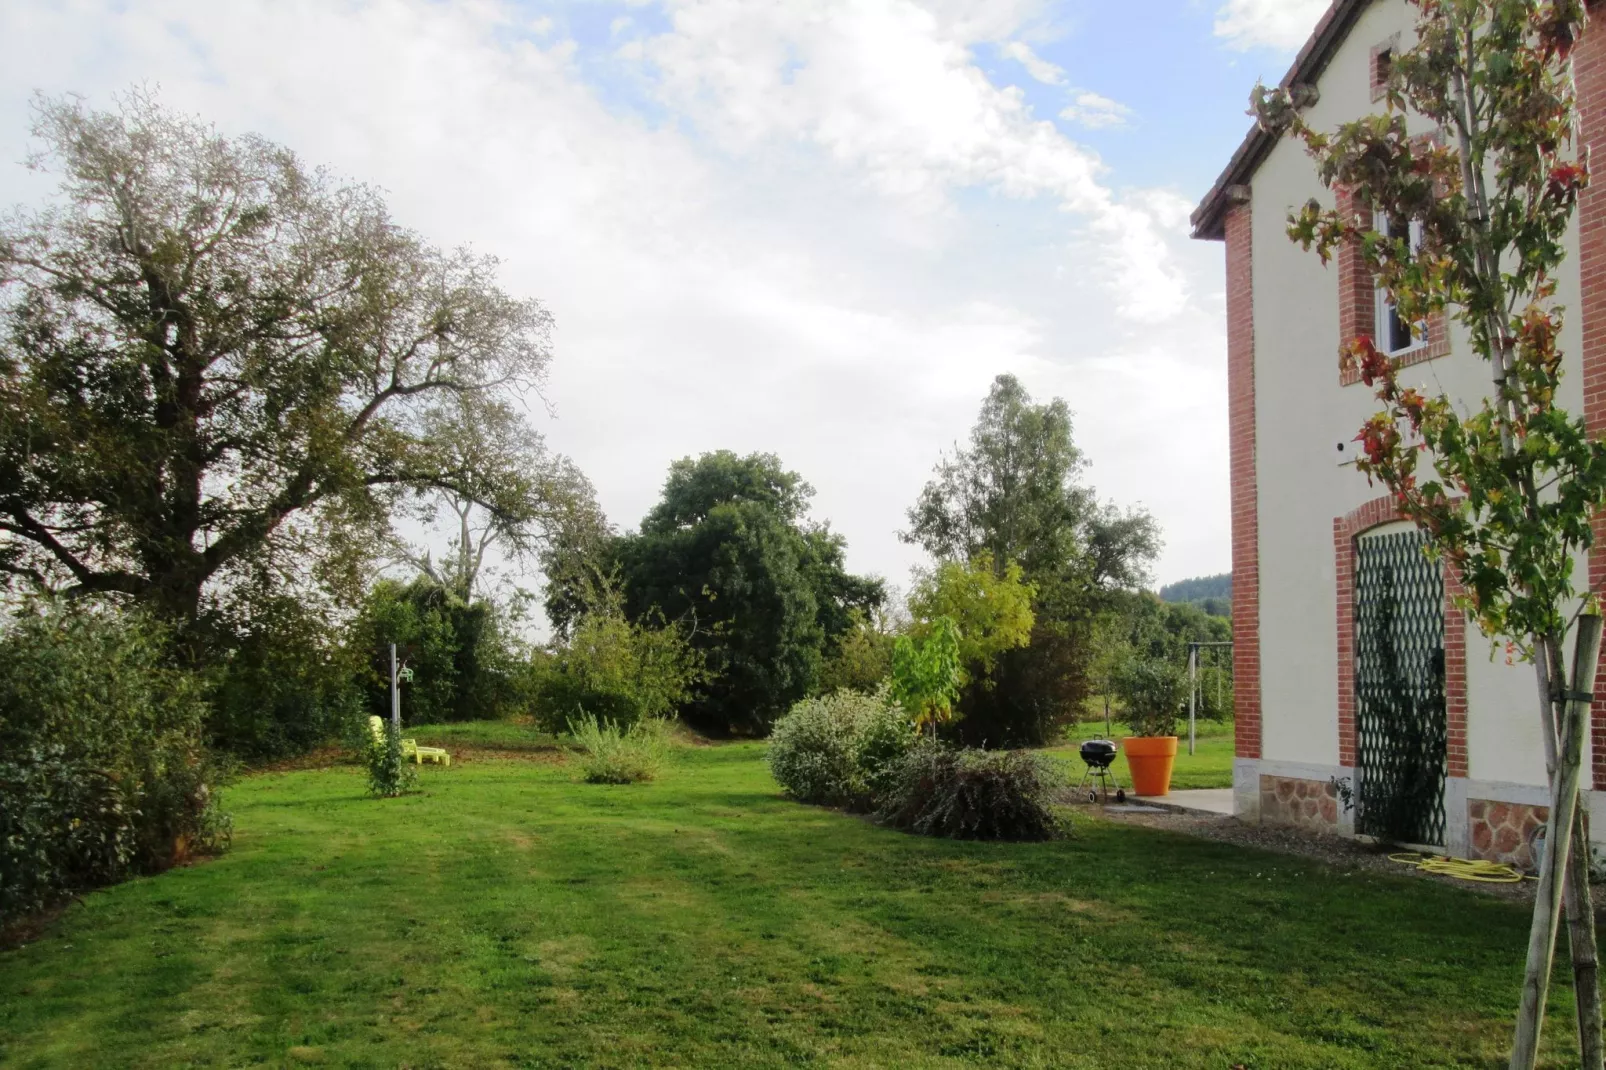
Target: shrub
(389, 772)
(615, 755)
(973, 794)
(1153, 692)
(103, 769)
(838, 749)
(614, 671)
(883, 736)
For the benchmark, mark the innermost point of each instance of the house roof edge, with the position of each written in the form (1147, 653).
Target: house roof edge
(1209, 219)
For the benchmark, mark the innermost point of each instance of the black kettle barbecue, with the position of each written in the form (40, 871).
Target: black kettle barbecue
(1099, 755)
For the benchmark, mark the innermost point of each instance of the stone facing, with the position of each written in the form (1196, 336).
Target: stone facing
(1504, 832)
(1308, 804)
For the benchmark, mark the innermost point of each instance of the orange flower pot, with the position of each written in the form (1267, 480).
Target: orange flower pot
(1150, 758)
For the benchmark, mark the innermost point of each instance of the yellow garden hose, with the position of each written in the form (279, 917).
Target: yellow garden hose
(1466, 869)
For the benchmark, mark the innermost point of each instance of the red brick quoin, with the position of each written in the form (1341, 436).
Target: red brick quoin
(1346, 529)
(1245, 497)
(1589, 70)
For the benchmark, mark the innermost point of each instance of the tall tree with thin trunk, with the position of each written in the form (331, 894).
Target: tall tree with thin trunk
(1506, 491)
(211, 355)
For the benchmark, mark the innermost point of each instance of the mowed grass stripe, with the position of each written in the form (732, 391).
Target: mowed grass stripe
(510, 916)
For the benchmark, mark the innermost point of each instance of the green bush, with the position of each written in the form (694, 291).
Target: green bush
(285, 683)
(839, 749)
(883, 736)
(103, 770)
(462, 666)
(612, 670)
(1153, 692)
(390, 774)
(973, 794)
(615, 755)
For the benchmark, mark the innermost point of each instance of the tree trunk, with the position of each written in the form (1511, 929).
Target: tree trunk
(1558, 843)
(1585, 956)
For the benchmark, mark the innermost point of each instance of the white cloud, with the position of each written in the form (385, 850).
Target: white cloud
(1036, 66)
(786, 262)
(1278, 24)
(620, 24)
(1096, 112)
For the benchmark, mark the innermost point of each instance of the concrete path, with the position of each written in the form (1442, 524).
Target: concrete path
(1200, 801)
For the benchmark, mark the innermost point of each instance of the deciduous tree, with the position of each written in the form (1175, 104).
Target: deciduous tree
(213, 357)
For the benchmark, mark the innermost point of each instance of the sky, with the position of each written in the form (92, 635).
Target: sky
(816, 228)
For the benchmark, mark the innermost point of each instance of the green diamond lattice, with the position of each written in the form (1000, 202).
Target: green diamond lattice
(1399, 690)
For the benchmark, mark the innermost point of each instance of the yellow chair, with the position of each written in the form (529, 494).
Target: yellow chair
(410, 747)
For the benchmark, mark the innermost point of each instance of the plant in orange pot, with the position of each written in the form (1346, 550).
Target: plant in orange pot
(1153, 692)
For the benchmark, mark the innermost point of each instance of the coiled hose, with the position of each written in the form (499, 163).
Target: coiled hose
(1466, 869)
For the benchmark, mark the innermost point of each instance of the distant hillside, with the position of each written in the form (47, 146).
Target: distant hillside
(1212, 593)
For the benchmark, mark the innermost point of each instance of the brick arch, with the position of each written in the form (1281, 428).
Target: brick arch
(1346, 530)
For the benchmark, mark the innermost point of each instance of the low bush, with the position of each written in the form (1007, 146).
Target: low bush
(615, 755)
(390, 774)
(104, 773)
(973, 794)
(839, 749)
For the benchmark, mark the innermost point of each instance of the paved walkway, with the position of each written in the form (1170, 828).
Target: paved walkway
(1202, 800)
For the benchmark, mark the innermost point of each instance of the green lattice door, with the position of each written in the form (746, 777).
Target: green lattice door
(1399, 689)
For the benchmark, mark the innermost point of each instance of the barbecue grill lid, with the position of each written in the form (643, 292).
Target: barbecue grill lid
(1098, 748)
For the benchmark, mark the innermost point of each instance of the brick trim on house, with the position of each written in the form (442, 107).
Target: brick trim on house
(1346, 530)
(1589, 72)
(1357, 309)
(1245, 493)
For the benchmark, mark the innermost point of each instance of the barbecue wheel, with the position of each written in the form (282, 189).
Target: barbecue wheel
(1092, 796)
(1120, 795)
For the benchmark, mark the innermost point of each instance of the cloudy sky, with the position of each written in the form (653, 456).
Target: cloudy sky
(812, 227)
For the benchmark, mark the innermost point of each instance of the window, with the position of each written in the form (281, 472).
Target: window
(1392, 334)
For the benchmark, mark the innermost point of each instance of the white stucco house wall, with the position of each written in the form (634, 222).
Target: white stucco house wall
(1311, 537)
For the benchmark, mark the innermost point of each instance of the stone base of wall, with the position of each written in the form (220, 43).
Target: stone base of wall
(1311, 804)
(1504, 832)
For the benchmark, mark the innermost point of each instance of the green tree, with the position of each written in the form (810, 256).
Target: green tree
(215, 361)
(763, 594)
(1506, 490)
(993, 611)
(462, 667)
(863, 658)
(1017, 494)
(927, 673)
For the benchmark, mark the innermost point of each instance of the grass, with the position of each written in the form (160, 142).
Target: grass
(510, 916)
(1210, 766)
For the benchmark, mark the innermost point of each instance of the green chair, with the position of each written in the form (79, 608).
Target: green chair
(410, 747)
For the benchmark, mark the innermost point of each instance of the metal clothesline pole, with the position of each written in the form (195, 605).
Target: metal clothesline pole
(395, 693)
(1193, 688)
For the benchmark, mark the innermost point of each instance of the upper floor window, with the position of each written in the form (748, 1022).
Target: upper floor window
(1392, 334)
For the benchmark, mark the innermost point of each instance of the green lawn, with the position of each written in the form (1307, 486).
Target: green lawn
(508, 916)
(1210, 766)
